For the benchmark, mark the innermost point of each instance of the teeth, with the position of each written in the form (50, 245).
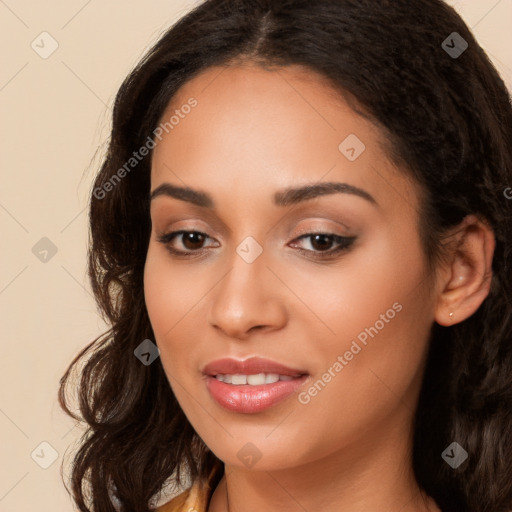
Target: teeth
(239, 379)
(256, 380)
(271, 377)
(252, 380)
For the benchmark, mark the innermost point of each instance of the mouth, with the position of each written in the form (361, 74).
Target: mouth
(252, 385)
(257, 379)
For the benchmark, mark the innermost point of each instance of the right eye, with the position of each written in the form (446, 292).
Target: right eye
(192, 241)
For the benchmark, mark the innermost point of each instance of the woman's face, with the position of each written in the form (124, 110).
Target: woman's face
(347, 312)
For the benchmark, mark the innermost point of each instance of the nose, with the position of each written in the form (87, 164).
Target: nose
(248, 298)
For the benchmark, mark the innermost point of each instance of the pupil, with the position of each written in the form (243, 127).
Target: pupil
(193, 239)
(327, 242)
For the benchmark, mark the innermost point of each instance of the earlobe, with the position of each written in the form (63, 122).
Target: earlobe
(469, 273)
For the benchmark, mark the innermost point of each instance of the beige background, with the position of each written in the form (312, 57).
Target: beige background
(55, 114)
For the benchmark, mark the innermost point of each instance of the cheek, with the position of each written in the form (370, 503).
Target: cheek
(376, 310)
(380, 313)
(349, 297)
(174, 299)
(165, 296)
(157, 294)
(168, 291)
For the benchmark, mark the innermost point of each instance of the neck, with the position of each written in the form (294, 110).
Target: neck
(360, 477)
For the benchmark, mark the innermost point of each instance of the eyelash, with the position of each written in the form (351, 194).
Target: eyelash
(343, 241)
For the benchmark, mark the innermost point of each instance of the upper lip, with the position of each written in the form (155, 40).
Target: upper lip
(249, 366)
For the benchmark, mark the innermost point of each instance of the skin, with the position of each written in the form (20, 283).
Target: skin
(254, 132)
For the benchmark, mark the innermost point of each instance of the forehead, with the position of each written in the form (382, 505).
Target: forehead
(259, 129)
(265, 100)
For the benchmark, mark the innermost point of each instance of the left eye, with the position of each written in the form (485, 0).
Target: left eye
(323, 242)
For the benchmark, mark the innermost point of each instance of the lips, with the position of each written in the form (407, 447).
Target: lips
(251, 366)
(252, 385)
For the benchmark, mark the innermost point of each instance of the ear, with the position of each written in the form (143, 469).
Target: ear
(465, 278)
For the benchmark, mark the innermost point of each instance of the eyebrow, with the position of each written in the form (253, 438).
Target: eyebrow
(285, 197)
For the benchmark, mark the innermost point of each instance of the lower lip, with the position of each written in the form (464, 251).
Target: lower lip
(252, 399)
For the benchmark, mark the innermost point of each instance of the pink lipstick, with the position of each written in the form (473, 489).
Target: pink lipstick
(252, 385)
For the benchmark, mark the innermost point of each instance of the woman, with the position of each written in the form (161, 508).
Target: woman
(301, 236)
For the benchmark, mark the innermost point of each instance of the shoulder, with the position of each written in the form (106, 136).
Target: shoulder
(197, 497)
(180, 503)
(194, 499)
